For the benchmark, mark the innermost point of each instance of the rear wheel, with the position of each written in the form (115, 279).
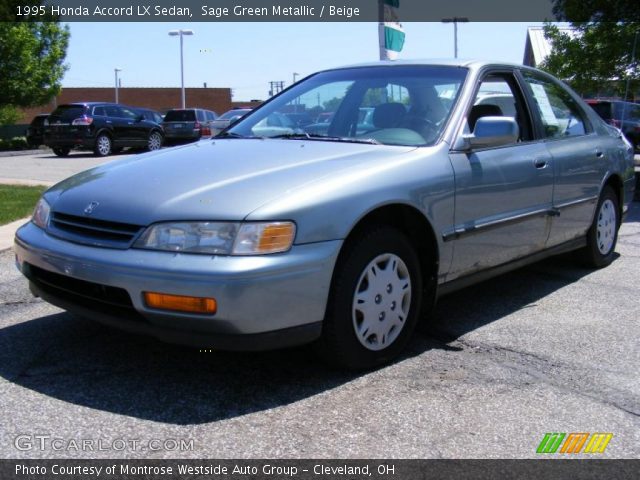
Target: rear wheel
(61, 151)
(603, 234)
(154, 142)
(374, 301)
(103, 145)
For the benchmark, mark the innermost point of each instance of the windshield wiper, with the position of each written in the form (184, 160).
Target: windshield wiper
(315, 136)
(230, 135)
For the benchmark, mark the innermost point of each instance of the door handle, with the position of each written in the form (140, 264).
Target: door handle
(539, 162)
(599, 154)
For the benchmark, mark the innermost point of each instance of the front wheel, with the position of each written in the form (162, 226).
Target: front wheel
(154, 142)
(103, 145)
(603, 233)
(374, 301)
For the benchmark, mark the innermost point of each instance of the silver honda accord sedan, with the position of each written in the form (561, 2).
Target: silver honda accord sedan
(270, 235)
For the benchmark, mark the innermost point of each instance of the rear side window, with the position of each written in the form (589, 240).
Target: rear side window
(69, 112)
(560, 114)
(99, 111)
(112, 111)
(201, 117)
(180, 116)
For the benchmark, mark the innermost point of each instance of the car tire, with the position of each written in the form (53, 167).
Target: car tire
(103, 145)
(61, 151)
(374, 302)
(603, 233)
(154, 141)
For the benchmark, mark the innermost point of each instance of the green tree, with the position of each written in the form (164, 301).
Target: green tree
(598, 55)
(32, 65)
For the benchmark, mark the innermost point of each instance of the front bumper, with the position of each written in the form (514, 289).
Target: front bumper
(264, 302)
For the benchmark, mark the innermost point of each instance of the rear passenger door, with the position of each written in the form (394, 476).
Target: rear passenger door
(503, 194)
(118, 124)
(579, 158)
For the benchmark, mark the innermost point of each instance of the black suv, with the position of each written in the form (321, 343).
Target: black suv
(187, 125)
(102, 127)
(611, 111)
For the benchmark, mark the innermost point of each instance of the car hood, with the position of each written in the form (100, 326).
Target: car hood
(224, 179)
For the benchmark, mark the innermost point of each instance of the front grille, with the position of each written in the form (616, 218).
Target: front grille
(94, 296)
(91, 231)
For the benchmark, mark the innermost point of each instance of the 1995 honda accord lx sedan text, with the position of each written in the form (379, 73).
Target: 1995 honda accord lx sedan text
(269, 235)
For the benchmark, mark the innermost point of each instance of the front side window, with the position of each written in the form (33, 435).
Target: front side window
(560, 114)
(499, 96)
(400, 105)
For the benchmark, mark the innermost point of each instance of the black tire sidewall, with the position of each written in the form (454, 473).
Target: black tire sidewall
(61, 151)
(340, 343)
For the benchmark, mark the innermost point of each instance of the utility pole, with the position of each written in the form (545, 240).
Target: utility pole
(275, 87)
(116, 70)
(455, 21)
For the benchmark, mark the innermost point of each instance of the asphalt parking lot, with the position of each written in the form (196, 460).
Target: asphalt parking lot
(549, 348)
(44, 167)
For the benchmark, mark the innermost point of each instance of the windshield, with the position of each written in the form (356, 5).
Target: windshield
(398, 105)
(68, 112)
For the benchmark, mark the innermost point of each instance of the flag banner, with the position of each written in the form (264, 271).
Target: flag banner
(390, 32)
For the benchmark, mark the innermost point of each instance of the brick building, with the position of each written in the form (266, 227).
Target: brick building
(161, 99)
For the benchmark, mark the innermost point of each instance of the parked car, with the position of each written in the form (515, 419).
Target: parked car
(365, 123)
(150, 115)
(266, 239)
(300, 119)
(612, 111)
(228, 118)
(187, 125)
(102, 127)
(35, 131)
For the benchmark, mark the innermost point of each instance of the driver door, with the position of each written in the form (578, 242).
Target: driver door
(503, 194)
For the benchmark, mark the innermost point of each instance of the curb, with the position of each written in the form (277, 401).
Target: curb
(8, 231)
(26, 182)
(18, 153)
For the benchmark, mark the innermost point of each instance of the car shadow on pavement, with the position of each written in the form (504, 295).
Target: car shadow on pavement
(84, 363)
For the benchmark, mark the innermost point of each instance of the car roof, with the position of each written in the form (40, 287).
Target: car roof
(90, 104)
(444, 62)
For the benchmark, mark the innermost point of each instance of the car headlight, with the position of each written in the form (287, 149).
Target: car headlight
(41, 212)
(219, 238)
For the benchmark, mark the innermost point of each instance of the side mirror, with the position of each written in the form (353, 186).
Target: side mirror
(234, 119)
(493, 132)
(140, 118)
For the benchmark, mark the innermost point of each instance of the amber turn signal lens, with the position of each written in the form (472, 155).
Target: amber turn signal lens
(179, 303)
(276, 237)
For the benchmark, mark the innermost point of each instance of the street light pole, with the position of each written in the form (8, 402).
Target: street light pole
(181, 33)
(455, 21)
(116, 70)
